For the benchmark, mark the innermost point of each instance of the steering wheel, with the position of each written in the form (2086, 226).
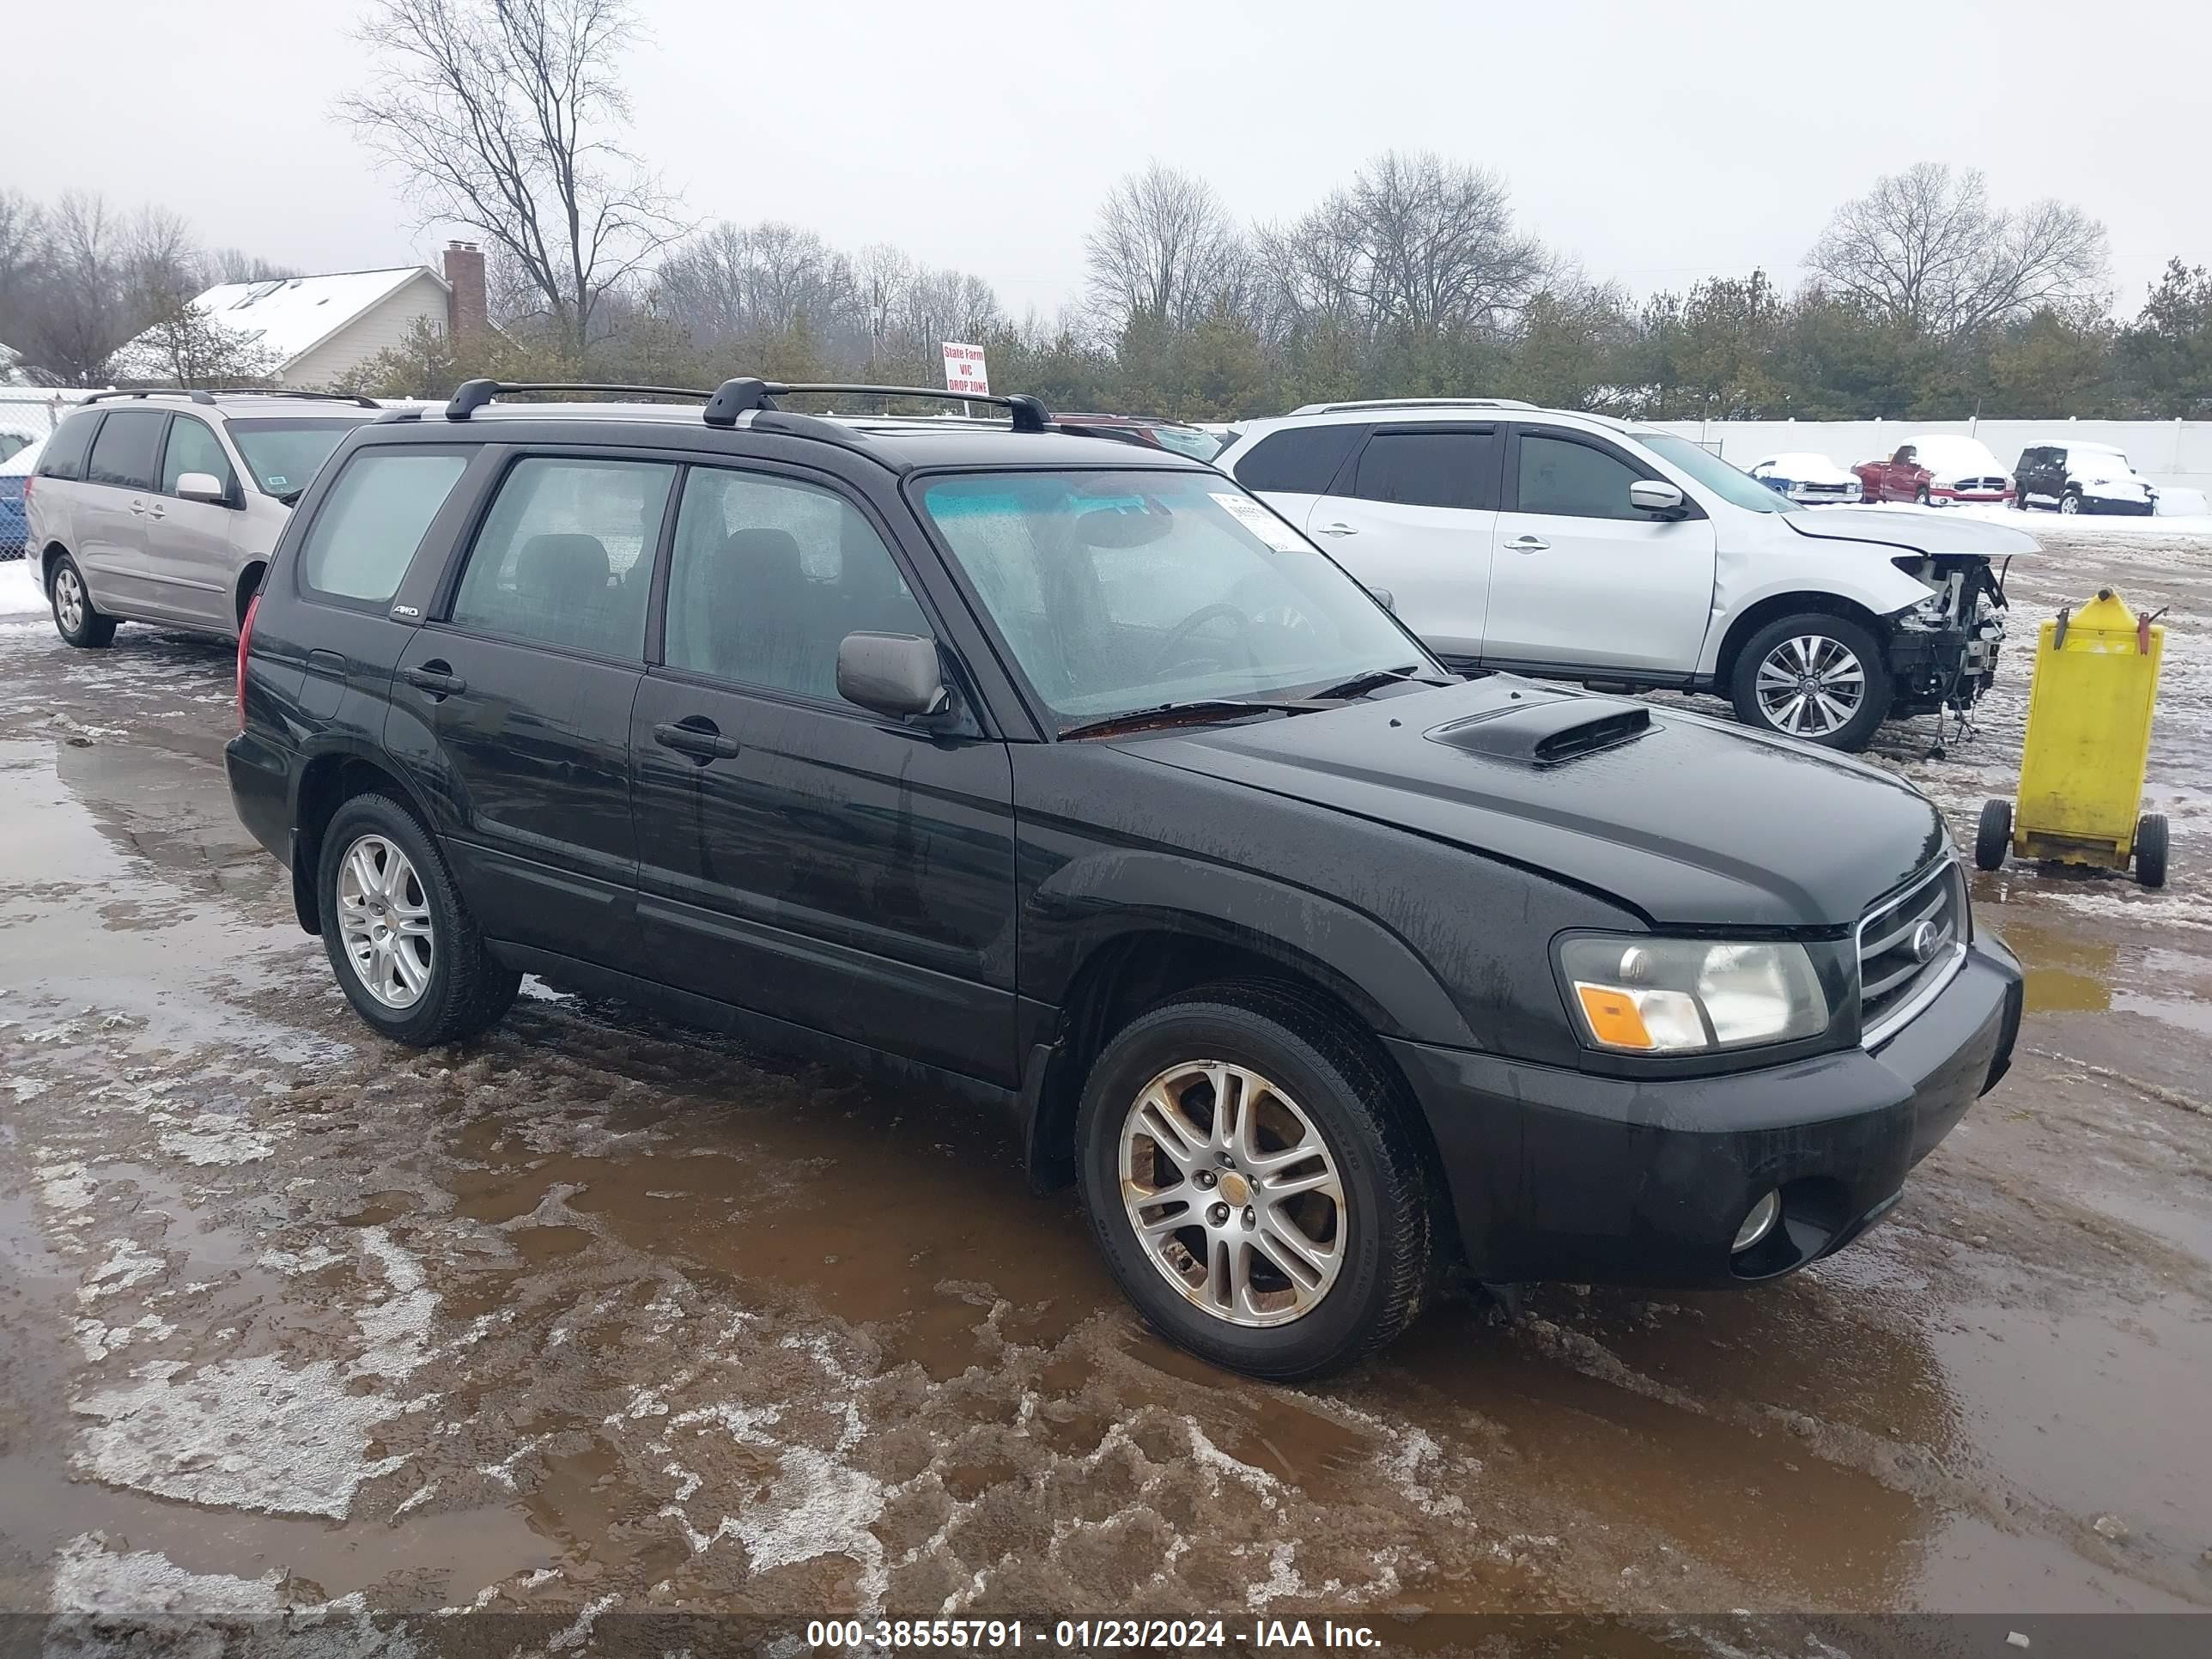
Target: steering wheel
(1174, 649)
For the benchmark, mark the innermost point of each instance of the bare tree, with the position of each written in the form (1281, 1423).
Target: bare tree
(1163, 251)
(881, 277)
(186, 346)
(499, 114)
(1924, 249)
(1414, 242)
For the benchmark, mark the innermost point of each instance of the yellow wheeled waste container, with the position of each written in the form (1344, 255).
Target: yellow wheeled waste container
(2087, 742)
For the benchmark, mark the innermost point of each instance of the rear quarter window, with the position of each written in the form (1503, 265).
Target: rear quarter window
(368, 529)
(65, 452)
(1300, 460)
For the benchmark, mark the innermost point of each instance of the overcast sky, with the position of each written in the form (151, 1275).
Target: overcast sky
(1656, 144)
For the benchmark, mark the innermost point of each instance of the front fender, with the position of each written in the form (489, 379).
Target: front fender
(1094, 900)
(1861, 574)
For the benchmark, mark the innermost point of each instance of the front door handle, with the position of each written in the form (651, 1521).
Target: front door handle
(157, 511)
(1528, 543)
(698, 737)
(1339, 528)
(435, 676)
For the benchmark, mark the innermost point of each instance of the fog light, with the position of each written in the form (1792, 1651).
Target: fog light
(1759, 1223)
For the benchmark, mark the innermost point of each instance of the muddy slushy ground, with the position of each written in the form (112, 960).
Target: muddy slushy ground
(600, 1314)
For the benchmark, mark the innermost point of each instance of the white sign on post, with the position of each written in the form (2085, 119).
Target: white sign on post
(964, 371)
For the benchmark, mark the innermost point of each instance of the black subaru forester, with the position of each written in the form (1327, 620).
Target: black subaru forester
(1070, 779)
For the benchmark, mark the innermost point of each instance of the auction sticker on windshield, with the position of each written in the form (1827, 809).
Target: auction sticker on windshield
(1261, 522)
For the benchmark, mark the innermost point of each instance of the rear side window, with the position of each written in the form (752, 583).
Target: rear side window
(366, 532)
(1300, 460)
(1428, 469)
(193, 447)
(64, 454)
(566, 555)
(124, 453)
(1572, 480)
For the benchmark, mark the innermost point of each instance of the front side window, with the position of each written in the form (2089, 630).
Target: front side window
(1428, 469)
(1121, 590)
(63, 457)
(367, 528)
(565, 556)
(769, 575)
(1299, 460)
(125, 452)
(284, 456)
(193, 447)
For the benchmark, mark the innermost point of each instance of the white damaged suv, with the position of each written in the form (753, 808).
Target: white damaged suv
(1577, 547)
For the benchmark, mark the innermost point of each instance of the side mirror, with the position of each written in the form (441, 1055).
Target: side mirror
(1650, 495)
(1383, 597)
(203, 487)
(894, 674)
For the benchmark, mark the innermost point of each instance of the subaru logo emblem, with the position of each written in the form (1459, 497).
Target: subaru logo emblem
(1926, 938)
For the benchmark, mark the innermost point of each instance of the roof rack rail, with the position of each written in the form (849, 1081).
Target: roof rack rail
(733, 397)
(472, 395)
(1412, 402)
(198, 394)
(208, 394)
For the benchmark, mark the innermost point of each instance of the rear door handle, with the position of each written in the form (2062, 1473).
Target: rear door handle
(1528, 543)
(698, 737)
(436, 678)
(1339, 528)
(138, 507)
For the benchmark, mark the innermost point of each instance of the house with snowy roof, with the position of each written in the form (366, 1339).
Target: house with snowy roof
(312, 331)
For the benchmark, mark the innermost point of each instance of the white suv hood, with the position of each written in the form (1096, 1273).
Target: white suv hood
(1912, 531)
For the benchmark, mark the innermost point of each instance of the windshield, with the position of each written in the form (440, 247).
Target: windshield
(283, 455)
(1118, 592)
(1737, 488)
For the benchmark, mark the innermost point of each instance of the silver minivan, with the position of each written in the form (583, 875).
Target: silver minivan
(162, 507)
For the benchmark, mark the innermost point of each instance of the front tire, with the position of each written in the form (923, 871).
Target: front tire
(1814, 677)
(1253, 1180)
(407, 953)
(2070, 501)
(79, 622)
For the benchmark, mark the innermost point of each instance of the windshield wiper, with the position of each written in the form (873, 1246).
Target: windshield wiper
(291, 497)
(1360, 684)
(1192, 712)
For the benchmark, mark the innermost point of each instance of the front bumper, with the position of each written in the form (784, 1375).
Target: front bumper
(1953, 493)
(1559, 1175)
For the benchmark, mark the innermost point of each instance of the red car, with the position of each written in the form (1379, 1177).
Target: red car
(1935, 470)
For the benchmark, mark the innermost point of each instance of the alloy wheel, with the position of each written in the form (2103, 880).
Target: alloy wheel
(384, 919)
(68, 600)
(1811, 686)
(1232, 1193)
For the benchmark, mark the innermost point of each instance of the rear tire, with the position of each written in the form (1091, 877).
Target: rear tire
(2150, 849)
(76, 619)
(1993, 835)
(1812, 644)
(1372, 1229)
(380, 874)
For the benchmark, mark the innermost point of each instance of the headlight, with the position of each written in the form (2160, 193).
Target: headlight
(1660, 996)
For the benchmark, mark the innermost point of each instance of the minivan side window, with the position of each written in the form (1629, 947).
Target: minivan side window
(1300, 460)
(1432, 468)
(367, 528)
(1571, 480)
(767, 577)
(193, 447)
(123, 453)
(64, 454)
(565, 556)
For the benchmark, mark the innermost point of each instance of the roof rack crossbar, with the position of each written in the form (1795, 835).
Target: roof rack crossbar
(734, 397)
(472, 395)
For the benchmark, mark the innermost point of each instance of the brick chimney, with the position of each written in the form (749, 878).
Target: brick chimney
(465, 312)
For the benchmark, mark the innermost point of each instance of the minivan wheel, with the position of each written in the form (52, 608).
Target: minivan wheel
(1815, 677)
(77, 618)
(407, 953)
(1251, 1180)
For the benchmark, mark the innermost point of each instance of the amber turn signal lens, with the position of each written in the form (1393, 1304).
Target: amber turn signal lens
(1613, 1019)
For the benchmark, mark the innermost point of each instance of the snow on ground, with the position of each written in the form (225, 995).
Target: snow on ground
(19, 588)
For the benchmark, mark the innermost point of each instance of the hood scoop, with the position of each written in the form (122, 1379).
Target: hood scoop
(1542, 728)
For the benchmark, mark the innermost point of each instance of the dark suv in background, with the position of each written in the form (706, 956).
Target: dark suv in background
(1068, 778)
